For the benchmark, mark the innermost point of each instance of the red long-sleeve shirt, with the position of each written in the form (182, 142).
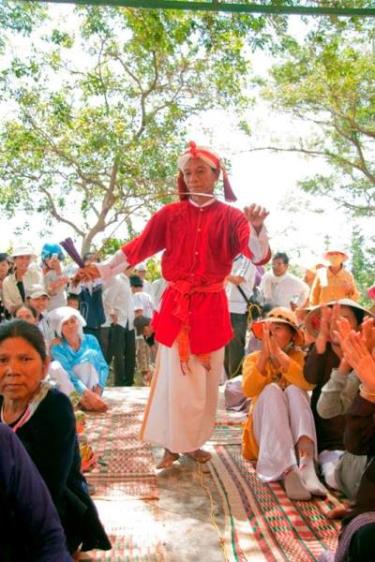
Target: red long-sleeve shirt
(199, 246)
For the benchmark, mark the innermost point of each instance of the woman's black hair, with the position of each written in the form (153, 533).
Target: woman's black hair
(359, 314)
(21, 329)
(33, 310)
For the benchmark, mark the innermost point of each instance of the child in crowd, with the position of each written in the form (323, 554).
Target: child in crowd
(280, 430)
(146, 353)
(55, 280)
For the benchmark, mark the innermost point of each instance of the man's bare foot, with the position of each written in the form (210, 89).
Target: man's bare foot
(168, 459)
(200, 455)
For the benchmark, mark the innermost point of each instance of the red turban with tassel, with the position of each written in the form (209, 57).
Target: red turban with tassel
(210, 158)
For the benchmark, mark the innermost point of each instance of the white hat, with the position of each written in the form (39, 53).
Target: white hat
(23, 250)
(37, 291)
(141, 267)
(59, 315)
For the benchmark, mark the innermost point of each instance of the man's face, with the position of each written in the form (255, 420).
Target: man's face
(22, 262)
(199, 176)
(40, 303)
(279, 267)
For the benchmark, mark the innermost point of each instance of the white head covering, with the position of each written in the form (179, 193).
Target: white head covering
(59, 315)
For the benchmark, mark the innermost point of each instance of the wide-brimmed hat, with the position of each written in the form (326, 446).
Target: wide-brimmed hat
(280, 315)
(330, 253)
(312, 320)
(37, 291)
(23, 250)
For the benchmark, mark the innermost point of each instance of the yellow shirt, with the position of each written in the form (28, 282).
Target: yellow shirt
(329, 286)
(253, 382)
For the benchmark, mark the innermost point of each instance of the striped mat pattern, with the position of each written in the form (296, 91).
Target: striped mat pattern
(262, 523)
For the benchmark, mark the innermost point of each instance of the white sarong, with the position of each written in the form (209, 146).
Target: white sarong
(180, 414)
(280, 418)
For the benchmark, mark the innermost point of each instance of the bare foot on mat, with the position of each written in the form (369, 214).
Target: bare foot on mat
(200, 455)
(168, 459)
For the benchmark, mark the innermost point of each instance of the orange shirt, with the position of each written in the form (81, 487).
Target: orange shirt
(329, 286)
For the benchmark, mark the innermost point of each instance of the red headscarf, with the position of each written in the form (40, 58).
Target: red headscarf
(210, 158)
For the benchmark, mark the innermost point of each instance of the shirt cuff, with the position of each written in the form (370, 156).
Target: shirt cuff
(113, 266)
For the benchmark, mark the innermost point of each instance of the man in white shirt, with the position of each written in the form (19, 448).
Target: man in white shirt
(17, 285)
(141, 300)
(118, 331)
(240, 285)
(281, 288)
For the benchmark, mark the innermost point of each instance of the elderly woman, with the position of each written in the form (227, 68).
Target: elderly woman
(44, 421)
(280, 430)
(80, 356)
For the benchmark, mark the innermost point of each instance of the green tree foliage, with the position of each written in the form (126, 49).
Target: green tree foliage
(327, 80)
(363, 263)
(18, 17)
(99, 108)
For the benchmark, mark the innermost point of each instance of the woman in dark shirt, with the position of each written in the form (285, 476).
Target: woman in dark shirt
(30, 528)
(324, 356)
(44, 421)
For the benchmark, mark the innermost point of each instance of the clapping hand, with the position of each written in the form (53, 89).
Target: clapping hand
(256, 215)
(368, 332)
(354, 346)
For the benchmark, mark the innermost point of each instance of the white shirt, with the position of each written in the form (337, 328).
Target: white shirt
(11, 295)
(243, 267)
(284, 289)
(118, 299)
(142, 301)
(158, 288)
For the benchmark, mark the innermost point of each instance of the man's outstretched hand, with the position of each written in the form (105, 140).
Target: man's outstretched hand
(256, 215)
(85, 274)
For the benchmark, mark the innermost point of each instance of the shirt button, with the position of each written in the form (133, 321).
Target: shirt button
(196, 253)
(201, 210)
(199, 229)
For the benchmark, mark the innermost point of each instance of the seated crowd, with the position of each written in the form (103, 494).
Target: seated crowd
(309, 377)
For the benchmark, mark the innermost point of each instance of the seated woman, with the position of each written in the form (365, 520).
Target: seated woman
(324, 357)
(56, 373)
(280, 430)
(30, 527)
(357, 539)
(80, 356)
(43, 420)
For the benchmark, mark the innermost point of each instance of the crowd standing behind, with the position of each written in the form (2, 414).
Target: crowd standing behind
(308, 383)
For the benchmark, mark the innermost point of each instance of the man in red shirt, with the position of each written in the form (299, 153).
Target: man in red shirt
(200, 237)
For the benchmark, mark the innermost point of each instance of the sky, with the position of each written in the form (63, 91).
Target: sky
(297, 223)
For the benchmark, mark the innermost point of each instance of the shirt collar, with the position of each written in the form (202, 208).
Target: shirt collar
(209, 202)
